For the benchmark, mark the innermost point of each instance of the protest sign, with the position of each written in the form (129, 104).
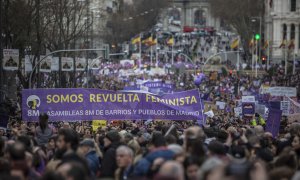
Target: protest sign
(238, 111)
(80, 64)
(220, 104)
(127, 63)
(273, 122)
(98, 123)
(260, 109)
(209, 114)
(90, 104)
(67, 64)
(283, 91)
(248, 108)
(45, 64)
(285, 107)
(10, 59)
(248, 99)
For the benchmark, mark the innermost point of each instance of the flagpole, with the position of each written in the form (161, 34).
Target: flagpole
(151, 55)
(156, 59)
(172, 53)
(268, 60)
(256, 58)
(252, 63)
(238, 57)
(294, 60)
(285, 60)
(140, 46)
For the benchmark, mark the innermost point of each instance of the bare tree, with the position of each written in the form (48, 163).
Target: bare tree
(134, 18)
(238, 14)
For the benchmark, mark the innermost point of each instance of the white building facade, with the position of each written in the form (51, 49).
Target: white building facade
(282, 22)
(191, 13)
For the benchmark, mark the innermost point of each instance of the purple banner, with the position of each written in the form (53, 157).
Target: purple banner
(248, 108)
(273, 122)
(95, 104)
(154, 87)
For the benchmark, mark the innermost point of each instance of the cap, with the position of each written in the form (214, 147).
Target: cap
(87, 142)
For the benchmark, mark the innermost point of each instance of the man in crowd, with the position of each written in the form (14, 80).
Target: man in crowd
(111, 143)
(125, 163)
(87, 147)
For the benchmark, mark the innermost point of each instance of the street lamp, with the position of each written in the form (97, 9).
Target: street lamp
(209, 58)
(257, 38)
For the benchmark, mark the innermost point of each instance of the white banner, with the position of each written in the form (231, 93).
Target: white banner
(28, 64)
(220, 104)
(248, 99)
(285, 107)
(80, 64)
(238, 111)
(45, 65)
(126, 62)
(260, 109)
(283, 91)
(55, 64)
(67, 64)
(210, 114)
(10, 59)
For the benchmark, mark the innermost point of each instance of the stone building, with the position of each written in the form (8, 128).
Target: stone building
(282, 22)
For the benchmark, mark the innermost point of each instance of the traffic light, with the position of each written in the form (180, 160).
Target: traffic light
(263, 59)
(257, 36)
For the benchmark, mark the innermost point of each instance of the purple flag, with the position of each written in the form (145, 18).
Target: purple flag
(273, 122)
(93, 104)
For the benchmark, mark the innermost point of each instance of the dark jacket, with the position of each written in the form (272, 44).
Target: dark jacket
(109, 164)
(42, 138)
(143, 166)
(124, 174)
(93, 162)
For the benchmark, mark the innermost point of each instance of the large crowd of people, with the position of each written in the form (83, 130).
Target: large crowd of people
(225, 147)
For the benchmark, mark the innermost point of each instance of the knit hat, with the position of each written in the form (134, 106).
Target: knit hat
(113, 136)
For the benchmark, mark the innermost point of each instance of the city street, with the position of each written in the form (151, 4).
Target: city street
(149, 89)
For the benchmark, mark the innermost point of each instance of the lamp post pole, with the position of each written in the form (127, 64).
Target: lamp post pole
(226, 52)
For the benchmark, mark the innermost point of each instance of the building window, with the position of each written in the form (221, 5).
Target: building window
(293, 5)
(293, 28)
(284, 32)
